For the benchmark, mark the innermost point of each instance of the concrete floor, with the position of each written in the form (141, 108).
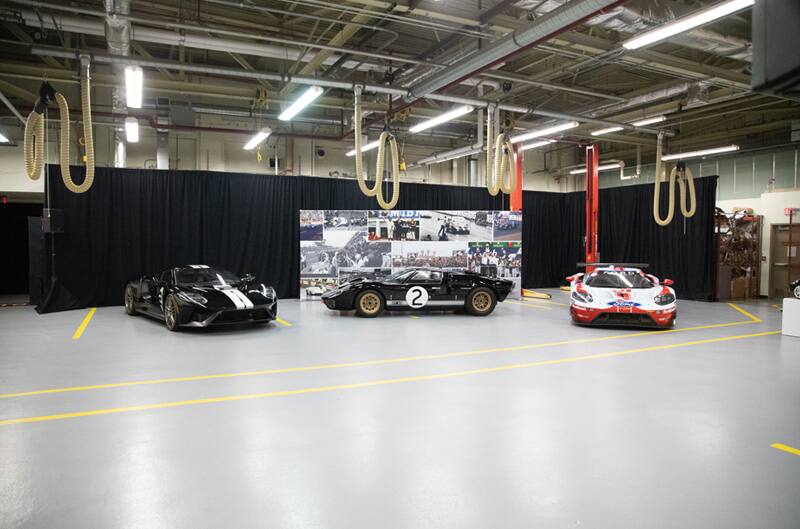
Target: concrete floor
(450, 421)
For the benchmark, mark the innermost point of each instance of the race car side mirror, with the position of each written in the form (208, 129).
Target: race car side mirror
(570, 279)
(668, 282)
(248, 278)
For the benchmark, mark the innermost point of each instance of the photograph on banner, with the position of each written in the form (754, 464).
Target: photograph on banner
(455, 225)
(345, 219)
(311, 224)
(313, 287)
(440, 255)
(497, 259)
(508, 226)
(346, 274)
(393, 225)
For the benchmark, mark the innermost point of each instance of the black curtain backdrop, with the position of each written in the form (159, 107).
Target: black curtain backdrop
(14, 245)
(685, 251)
(133, 222)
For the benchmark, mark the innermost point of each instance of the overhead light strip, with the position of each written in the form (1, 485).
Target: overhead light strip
(535, 145)
(131, 130)
(687, 23)
(134, 79)
(640, 123)
(697, 154)
(607, 167)
(260, 136)
(364, 148)
(302, 102)
(548, 131)
(443, 118)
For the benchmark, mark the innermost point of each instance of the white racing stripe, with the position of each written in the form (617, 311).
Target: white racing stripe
(244, 299)
(237, 301)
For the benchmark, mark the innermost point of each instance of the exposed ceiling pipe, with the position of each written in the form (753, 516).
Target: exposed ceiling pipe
(542, 29)
(101, 58)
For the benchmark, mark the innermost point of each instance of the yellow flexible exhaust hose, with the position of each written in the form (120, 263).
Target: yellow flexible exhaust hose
(674, 175)
(33, 148)
(395, 175)
(509, 156)
(360, 177)
(491, 179)
(34, 140)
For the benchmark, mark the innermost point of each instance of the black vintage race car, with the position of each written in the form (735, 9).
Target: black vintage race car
(199, 296)
(419, 288)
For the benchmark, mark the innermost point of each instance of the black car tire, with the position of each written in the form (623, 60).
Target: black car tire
(172, 313)
(130, 298)
(481, 301)
(797, 291)
(369, 304)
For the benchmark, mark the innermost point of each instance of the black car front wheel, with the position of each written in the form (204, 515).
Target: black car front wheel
(797, 291)
(172, 313)
(130, 310)
(481, 302)
(369, 304)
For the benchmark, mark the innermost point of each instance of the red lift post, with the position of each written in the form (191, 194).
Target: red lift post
(516, 194)
(592, 206)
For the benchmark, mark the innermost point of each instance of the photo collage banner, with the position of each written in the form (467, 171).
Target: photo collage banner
(338, 245)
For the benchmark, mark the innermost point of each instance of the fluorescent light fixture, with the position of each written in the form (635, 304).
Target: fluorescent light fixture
(364, 148)
(134, 78)
(606, 131)
(442, 118)
(535, 145)
(545, 131)
(697, 154)
(688, 22)
(131, 130)
(4, 138)
(260, 136)
(649, 121)
(607, 167)
(302, 102)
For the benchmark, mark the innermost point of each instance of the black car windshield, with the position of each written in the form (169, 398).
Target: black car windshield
(213, 277)
(399, 277)
(618, 279)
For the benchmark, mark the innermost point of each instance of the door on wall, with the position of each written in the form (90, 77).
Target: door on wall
(783, 267)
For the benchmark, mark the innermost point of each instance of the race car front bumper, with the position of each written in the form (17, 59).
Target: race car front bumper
(623, 316)
(257, 314)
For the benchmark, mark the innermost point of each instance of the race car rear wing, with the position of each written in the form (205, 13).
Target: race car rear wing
(626, 265)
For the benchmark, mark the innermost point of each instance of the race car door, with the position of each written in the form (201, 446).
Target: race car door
(426, 288)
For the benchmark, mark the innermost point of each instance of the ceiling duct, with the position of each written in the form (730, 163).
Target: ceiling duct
(542, 29)
(625, 19)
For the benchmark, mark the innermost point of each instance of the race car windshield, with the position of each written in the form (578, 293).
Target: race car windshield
(618, 279)
(211, 277)
(399, 277)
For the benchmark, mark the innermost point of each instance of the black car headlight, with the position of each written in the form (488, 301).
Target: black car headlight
(583, 297)
(193, 297)
(664, 299)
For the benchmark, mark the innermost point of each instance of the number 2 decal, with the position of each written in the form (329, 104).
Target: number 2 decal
(416, 297)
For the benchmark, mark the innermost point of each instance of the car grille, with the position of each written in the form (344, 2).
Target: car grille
(622, 318)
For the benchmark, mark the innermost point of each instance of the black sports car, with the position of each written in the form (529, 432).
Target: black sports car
(199, 296)
(795, 288)
(419, 288)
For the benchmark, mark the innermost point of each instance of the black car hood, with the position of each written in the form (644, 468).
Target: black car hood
(226, 297)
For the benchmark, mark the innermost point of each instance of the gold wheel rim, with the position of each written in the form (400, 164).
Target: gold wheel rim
(481, 301)
(170, 313)
(128, 298)
(370, 303)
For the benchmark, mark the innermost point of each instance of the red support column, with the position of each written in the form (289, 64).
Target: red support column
(516, 194)
(592, 251)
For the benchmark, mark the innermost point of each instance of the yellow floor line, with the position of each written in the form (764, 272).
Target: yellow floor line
(529, 305)
(740, 309)
(363, 363)
(415, 317)
(339, 387)
(283, 322)
(786, 448)
(547, 302)
(82, 327)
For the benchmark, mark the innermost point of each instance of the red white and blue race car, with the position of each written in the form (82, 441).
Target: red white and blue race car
(621, 296)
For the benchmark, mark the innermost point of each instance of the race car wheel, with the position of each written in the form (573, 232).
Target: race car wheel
(369, 304)
(797, 291)
(130, 310)
(481, 302)
(171, 313)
